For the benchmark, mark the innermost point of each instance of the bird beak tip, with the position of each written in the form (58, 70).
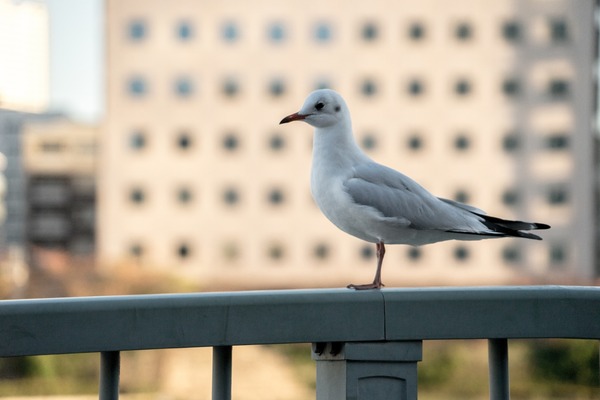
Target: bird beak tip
(292, 117)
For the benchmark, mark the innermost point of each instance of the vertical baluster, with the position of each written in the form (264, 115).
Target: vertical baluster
(498, 369)
(221, 373)
(110, 369)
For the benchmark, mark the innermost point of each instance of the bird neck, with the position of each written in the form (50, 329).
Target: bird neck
(335, 146)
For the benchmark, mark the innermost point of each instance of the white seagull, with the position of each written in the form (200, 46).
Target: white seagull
(378, 204)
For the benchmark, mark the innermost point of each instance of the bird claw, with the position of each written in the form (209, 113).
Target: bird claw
(366, 286)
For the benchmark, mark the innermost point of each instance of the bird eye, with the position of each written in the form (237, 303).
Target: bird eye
(319, 106)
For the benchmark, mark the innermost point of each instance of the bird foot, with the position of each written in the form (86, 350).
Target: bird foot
(366, 286)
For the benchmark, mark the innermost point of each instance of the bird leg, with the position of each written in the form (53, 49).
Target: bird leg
(377, 284)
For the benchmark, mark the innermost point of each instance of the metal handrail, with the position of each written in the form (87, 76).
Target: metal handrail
(221, 320)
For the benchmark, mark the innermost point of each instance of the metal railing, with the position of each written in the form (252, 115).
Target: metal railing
(365, 343)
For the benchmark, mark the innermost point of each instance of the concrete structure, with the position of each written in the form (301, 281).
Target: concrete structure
(489, 103)
(60, 164)
(24, 55)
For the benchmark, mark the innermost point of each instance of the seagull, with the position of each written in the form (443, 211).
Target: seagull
(378, 204)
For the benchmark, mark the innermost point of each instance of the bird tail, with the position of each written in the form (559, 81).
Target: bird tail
(512, 228)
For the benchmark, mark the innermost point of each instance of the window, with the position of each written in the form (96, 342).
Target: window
(416, 31)
(511, 87)
(276, 32)
(462, 196)
(558, 88)
(277, 87)
(414, 253)
(512, 32)
(511, 197)
(52, 146)
(511, 142)
(137, 140)
(461, 253)
(557, 253)
(462, 142)
(276, 251)
(231, 251)
(512, 254)
(231, 142)
(184, 195)
(276, 142)
(462, 87)
(368, 88)
(367, 252)
(137, 86)
(415, 142)
(230, 32)
(136, 250)
(137, 30)
(322, 32)
(184, 31)
(415, 87)
(184, 87)
(463, 31)
(557, 141)
(369, 32)
(184, 140)
(184, 251)
(231, 196)
(321, 251)
(369, 141)
(557, 195)
(276, 197)
(322, 84)
(137, 196)
(231, 87)
(559, 30)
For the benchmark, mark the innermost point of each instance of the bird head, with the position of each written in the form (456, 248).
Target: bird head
(322, 108)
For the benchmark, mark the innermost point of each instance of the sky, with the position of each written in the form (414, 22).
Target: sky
(77, 58)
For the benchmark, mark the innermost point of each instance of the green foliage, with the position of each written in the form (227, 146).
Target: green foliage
(569, 361)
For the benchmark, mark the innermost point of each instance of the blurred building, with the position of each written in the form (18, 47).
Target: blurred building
(486, 102)
(24, 55)
(60, 165)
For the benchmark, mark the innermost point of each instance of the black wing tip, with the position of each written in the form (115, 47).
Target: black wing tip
(538, 225)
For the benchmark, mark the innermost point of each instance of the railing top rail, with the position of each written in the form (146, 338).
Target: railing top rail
(92, 324)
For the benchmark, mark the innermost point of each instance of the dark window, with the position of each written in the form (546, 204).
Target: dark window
(557, 195)
(184, 87)
(184, 251)
(322, 32)
(231, 142)
(322, 84)
(231, 251)
(512, 32)
(462, 87)
(277, 87)
(512, 254)
(511, 87)
(415, 142)
(415, 87)
(510, 197)
(369, 31)
(368, 88)
(276, 32)
(184, 195)
(321, 251)
(185, 30)
(276, 252)
(462, 142)
(137, 30)
(558, 88)
(276, 142)
(136, 250)
(559, 30)
(230, 32)
(137, 140)
(184, 140)
(276, 197)
(511, 142)
(137, 86)
(414, 253)
(137, 196)
(461, 253)
(461, 196)
(558, 141)
(369, 141)
(231, 87)
(367, 252)
(558, 254)
(463, 31)
(416, 31)
(231, 196)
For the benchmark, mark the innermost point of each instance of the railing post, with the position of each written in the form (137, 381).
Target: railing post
(221, 373)
(498, 369)
(110, 368)
(367, 370)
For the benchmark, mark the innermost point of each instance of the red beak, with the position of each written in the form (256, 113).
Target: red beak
(292, 117)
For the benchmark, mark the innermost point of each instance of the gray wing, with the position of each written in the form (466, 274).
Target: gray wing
(397, 197)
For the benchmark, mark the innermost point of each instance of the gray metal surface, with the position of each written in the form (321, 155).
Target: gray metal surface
(96, 324)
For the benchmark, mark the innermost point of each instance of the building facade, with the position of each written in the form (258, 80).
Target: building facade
(486, 102)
